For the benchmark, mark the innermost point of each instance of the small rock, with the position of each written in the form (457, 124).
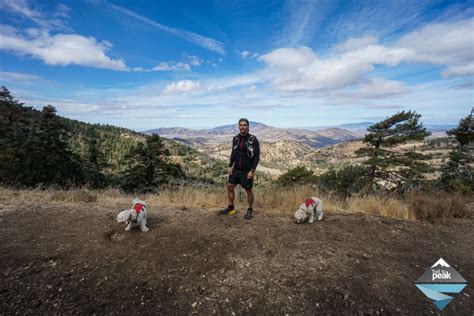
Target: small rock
(35, 303)
(194, 305)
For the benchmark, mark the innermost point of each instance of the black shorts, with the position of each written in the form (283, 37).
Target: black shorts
(240, 177)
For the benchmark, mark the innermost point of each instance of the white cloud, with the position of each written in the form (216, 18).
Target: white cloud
(62, 49)
(245, 54)
(183, 86)
(20, 6)
(193, 60)
(197, 39)
(15, 76)
(25, 9)
(450, 44)
(300, 69)
(172, 67)
(233, 82)
(442, 43)
(459, 71)
(380, 88)
(356, 43)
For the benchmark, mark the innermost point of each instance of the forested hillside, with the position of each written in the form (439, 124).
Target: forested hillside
(40, 148)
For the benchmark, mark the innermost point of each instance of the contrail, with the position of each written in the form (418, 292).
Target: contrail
(205, 42)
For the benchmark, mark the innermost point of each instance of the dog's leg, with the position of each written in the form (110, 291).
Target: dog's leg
(129, 226)
(311, 215)
(144, 228)
(143, 224)
(319, 210)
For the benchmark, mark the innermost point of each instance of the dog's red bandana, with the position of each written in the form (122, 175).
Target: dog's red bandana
(138, 208)
(309, 202)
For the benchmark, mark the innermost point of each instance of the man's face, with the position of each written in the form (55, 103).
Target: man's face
(243, 127)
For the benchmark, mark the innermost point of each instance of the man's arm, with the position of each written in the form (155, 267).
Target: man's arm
(232, 158)
(256, 154)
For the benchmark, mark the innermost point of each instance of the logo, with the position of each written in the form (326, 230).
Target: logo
(438, 280)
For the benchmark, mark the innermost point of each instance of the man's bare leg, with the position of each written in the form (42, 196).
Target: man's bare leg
(249, 197)
(249, 213)
(231, 193)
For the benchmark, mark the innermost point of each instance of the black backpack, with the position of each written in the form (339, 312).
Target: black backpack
(249, 143)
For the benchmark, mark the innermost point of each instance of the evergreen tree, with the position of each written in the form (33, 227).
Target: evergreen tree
(149, 169)
(297, 175)
(94, 161)
(345, 182)
(458, 173)
(45, 156)
(14, 127)
(390, 163)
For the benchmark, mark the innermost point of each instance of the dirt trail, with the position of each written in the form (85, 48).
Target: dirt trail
(74, 258)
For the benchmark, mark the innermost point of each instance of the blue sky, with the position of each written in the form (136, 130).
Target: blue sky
(200, 64)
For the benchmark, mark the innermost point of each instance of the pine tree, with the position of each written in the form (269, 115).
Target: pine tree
(458, 173)
(149, 169)
(15, 121)
(45, 157)
(389, 163)
(94, 160)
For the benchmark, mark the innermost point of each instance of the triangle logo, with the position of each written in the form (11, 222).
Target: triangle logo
(438, 280)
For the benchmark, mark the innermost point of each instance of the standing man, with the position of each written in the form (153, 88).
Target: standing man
(243, 162)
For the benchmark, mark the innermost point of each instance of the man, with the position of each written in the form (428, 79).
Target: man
(243, 163)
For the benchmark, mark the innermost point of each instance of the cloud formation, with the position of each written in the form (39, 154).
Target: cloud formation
(183, 86)
(15, 76)
(298, 69)
(172, 67)
(197, 39)
(450, 44)
(22, 8)
(61, 49)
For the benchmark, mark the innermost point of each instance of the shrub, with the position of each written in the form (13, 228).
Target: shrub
(437, 206)
(345, 182)
(297, 176)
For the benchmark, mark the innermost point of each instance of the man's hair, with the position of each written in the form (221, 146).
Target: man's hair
(244, 120)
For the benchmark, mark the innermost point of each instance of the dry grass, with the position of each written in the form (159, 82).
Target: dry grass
(377, 205)
(432, 207)
(438, 206)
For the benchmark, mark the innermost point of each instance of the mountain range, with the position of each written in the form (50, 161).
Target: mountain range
(315, 137)
(223, 134)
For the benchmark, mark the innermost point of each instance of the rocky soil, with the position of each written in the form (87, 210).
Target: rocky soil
(74, 258)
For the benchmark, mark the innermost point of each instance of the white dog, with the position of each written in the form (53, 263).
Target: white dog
(311, 207)
(136, 216)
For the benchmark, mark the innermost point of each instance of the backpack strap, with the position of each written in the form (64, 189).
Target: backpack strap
(235, 141)
(251, 140)
(250, 148)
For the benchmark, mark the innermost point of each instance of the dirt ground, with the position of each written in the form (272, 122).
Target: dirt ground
(75, 258)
